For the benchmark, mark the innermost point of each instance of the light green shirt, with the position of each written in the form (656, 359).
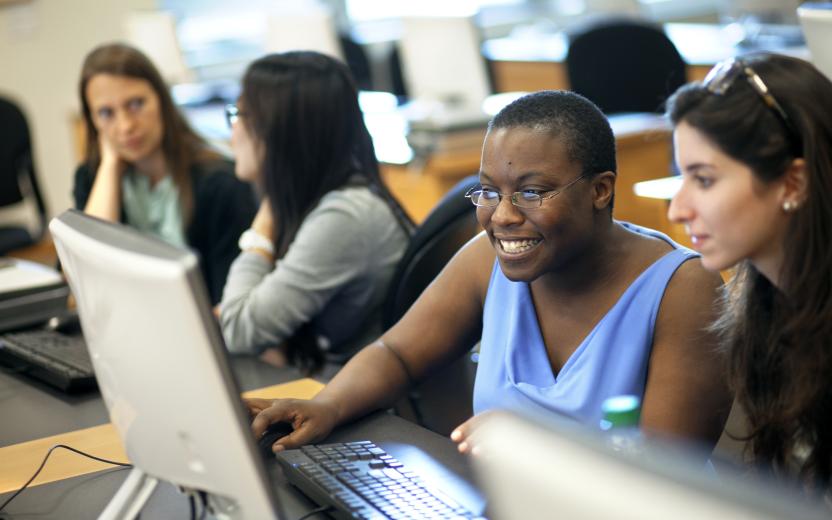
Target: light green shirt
(153, 210)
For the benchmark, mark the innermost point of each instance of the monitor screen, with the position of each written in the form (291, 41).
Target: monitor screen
(305, 26)
(154, 32)
(161, 363)
(560, 467)
(442, 61)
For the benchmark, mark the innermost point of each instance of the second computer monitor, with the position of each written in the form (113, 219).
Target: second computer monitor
(816, 20)
(442, 60)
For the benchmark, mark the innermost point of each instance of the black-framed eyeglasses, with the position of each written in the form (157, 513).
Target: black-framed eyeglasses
(722, 76)
(487, 198)
(232, 114)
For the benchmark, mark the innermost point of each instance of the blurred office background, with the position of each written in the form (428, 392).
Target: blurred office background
(209, 42)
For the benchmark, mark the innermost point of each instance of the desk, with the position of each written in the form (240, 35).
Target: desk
(43, 252)
(18, 460)
(537, 62)
(39, 412)
(431, 455)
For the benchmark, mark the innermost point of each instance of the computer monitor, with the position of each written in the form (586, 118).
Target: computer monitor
(161, 367)
(559, 468)
(816, 20)
(154, 33)
(306, 26)
(442, 61)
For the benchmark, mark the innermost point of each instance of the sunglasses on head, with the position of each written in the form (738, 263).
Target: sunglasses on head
(722, 76)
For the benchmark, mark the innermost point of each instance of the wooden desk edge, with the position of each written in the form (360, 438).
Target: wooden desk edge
(19, 461)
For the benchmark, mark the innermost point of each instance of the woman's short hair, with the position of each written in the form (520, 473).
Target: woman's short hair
(578, 121)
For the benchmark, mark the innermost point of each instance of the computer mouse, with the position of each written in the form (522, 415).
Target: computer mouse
(273, 432)
(67, 323)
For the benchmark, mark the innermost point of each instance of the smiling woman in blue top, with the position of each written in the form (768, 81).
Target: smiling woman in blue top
(571, 306)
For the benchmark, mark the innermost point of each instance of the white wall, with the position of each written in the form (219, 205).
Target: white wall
(42, 46)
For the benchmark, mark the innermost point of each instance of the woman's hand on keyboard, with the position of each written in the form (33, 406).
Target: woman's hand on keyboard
(311, 421)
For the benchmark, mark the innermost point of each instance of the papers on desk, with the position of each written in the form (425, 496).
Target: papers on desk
(30, 293)
(436, 126)
(19, 275)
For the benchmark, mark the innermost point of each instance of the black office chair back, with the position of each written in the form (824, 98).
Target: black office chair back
(443, 400)
(17, 176)
(624, 65)
(357, 61)
(451, 223)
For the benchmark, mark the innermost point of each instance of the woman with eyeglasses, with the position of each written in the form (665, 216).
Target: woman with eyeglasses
(754, 145)
(570, 306)
(320, 254)
(145, 167)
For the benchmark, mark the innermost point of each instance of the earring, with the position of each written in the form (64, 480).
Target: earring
(789, 206)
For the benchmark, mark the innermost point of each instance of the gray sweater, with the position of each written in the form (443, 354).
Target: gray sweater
(335, 274)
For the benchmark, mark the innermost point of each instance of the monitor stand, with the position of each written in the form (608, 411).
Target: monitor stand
(131, 497)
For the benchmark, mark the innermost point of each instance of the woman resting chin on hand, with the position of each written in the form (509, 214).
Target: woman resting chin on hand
(145, 167)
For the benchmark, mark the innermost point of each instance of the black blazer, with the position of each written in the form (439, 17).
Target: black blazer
(224, 207)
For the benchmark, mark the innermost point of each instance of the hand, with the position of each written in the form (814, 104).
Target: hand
(110, 159)
(263, 223)
(464, 434)
(312, 421)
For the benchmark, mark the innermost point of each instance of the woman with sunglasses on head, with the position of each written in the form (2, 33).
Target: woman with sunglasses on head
(570, 306)
(319, 257)
(145, 167)
(754, 144)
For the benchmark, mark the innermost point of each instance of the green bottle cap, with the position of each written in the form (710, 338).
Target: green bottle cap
(621, 411)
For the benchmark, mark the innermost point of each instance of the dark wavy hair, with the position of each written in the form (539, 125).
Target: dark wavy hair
(585, 130)
(779, 339)
(303, 107)
(181, 145)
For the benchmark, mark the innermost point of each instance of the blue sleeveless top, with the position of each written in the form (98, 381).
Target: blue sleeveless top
(514, 372)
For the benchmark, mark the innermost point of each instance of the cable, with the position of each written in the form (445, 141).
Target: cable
(322, 509)
(43, 463)
(203, 499)
(192, 503)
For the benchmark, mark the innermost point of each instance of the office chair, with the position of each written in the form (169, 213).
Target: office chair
(18, 182)
(624, 65)
(357, 61)
(443, 400)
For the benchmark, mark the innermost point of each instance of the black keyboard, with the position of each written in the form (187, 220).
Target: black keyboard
(58, 359)
(360, 480)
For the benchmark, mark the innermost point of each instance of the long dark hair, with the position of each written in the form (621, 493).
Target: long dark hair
(303, 107)
(181, 146)
(779, 339)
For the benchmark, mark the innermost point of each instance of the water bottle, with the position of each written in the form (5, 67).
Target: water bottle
(620, 422)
